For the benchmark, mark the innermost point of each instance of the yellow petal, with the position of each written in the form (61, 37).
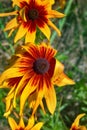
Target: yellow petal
(76, 121)
(30, 36)
(20, 33)
(37, 126)
(10, 73)
(54, 27)
(40, 95)
(12, 123)
(21, 123)
(59, 78)
(17, 2)
(42, 107)
(8, 101)
(10, 33)
(55, 14)
(30, 123)
(32, 99)
(11, 24)
(26, 92)
(46, 30)
(50, 97)
(62, 80)
(20, 87)
(59, 68)
(8, 14)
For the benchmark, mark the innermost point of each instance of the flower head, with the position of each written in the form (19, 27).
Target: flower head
(32, 75)
(75, 125)
(21, 125)
(32, 14)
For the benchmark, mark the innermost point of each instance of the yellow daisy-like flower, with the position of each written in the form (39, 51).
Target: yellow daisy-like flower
(32, 14)
(32, 75)
(21, 125)
(76, 126)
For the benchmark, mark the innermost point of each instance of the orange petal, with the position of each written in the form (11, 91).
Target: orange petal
(46, 30)
(8, 14)
(50, 97)
(30, 37)
(55, 14)
(21, 32)
(10, 73)
(30, 123)
(62, 80)
(37, 126)
(21, 123)
(12, 123)
(54, 27)
(76, 121)
(26, 92)
(11, 24)
(38, 100)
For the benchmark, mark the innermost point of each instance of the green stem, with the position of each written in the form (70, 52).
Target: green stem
(62, 21)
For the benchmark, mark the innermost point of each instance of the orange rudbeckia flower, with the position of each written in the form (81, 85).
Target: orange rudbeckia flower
(21, 125)
(32, 14)
(75, 125)
(32, 75)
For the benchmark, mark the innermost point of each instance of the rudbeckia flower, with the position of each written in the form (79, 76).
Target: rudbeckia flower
(32, 75)
(75, 125)
(32, 14)
(21, 125)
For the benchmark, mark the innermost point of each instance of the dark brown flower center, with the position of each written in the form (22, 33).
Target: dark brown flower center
(33, 14)
(41, 66)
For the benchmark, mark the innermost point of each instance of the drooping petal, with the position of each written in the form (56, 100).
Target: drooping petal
(40, 95)
(59, 68)
(12, 123)
(20, 86)
(9, 14)
(10, 73)
(11, 24)
(26, 92)
(62, 80)
(30, 36)
(46, 31)
(54, 27)
(55, 14)
(20, 33)
(50, 97)
(59, 78)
